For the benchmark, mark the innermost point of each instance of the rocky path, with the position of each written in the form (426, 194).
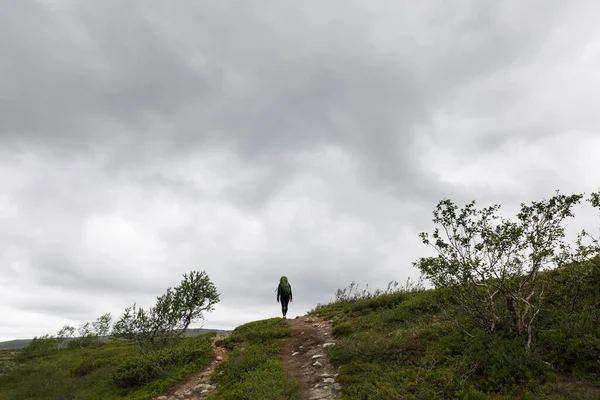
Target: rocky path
(305, 360)
(199, 385)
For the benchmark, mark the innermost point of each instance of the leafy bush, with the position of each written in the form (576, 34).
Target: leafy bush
(86, 366)
(174, 311)
(342, 328)
(503, 363)
(39, 346)
(137, 370)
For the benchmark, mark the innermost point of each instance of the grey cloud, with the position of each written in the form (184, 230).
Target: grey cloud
(144, 139)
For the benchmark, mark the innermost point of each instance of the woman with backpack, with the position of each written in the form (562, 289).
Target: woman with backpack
(284, 292)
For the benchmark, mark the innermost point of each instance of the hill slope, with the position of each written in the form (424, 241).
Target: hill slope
(421, 345)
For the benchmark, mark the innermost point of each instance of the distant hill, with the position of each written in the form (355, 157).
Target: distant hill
(14, 344)
(20, 343)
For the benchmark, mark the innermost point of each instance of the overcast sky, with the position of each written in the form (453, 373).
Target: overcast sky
(143, 139)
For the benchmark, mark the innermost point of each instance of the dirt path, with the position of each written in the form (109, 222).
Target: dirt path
(199, 385)
(305, 360)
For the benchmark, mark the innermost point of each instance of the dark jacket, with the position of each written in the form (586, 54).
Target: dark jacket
(281, 295)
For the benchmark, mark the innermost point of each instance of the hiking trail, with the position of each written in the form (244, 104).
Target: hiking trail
(303, 358)
(199, 385)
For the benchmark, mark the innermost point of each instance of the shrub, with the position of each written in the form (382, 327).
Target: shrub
(342, 328)
(86, 366)
(503, 363)
(38, 346)
(140, 369)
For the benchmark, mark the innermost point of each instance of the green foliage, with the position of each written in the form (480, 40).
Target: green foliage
(137, 370)
(39, 346)
(253, 371)
(420, 345)
(342, 328)
(491, 265)
(504, 364)
(367, 300)
(86, 366)
(7, 363)
(569, 331)
(172, 314)
(267, 380)
(88, 373)
(258, 332)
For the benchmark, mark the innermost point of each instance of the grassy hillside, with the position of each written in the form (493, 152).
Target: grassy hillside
(105, 370)
(420, 345)
(399, 344)
(253, 371)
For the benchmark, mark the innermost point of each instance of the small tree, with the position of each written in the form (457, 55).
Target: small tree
(483, 257)
(86, 335)
(134, 324)
(172, 314)
(65, 333)
(101, 326)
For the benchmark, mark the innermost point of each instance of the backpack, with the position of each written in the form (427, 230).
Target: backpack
(286, 289)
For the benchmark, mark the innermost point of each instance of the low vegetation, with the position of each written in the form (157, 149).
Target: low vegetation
(419, 345)
(253, 371)
(145, 353)
(515, 313)
(113, 370)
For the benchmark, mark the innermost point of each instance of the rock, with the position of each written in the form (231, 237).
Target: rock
(328, 344)
(317, 364)
(328, 380)
(337, 386)
(317, 356)
(295, 353)
(325, 376)
(205, 391)
(173, 398)
(162, 398)
(322, 393)
(301, 347)
(219, 358)
(200, 387)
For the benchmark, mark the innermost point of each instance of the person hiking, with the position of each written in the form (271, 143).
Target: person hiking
(284, 292)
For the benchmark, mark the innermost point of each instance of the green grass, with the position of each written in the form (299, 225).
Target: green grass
(112, 370)
(253, 371)
(418, 345)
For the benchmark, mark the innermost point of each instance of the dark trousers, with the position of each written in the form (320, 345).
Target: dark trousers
(284, 304)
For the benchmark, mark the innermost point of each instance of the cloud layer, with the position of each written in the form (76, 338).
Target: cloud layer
(144, 139)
